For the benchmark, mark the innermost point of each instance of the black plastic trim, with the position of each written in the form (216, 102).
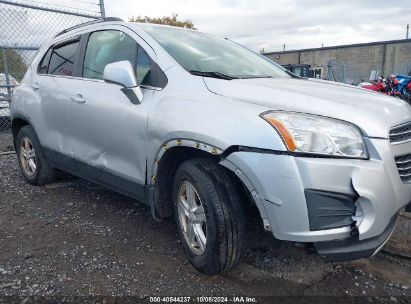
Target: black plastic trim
(131, 95)
(12, 121)
(81, 54)
(97, 175)
(329, 210)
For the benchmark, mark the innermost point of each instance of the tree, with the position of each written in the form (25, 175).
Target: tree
(15, 63)
(173, 21)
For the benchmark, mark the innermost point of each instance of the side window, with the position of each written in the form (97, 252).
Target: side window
(144, 68)
(105, 47)
(44, 64)
(62, 58)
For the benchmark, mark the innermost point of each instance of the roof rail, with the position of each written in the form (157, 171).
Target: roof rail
(108, 19)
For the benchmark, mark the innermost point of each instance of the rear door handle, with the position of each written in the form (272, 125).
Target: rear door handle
(78, 98)
(35, 86)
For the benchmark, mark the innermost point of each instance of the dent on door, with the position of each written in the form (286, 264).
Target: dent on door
(109, 131)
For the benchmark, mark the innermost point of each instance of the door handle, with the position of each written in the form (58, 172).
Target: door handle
(35, 86)
(78, 98)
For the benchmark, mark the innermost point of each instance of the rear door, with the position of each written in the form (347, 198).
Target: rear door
(108, 136)
(54, 84)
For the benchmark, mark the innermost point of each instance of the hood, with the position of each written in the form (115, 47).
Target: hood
(374, 113)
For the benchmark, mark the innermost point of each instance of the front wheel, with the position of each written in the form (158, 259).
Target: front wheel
(209, 214)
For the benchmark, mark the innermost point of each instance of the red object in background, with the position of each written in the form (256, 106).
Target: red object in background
(378, 87)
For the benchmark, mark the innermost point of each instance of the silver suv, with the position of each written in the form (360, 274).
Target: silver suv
(203, 128)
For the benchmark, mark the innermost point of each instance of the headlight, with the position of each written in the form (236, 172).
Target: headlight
(317, 135)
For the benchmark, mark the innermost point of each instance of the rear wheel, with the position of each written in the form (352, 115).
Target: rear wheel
(209, 214)
(33, 165)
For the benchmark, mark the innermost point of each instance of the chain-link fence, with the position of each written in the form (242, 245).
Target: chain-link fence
(24, 26)
(343, 73)
(350, 74)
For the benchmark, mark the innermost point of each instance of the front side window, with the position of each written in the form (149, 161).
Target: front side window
(143, 67)
(105, 47)
(62, 58)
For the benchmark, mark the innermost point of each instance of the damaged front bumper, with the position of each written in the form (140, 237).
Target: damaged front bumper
(306, 199)
(353, 248)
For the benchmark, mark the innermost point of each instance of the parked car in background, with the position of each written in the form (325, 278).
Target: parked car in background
(4, 101)
(301, 70)
(200, 127)
(3, 83)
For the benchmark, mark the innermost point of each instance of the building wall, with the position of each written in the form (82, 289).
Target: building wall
(398, 58)
(355, 62)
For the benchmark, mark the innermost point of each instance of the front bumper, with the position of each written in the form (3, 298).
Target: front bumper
(353, 249)
(278, 183)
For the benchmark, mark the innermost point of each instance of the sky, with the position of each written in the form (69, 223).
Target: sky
(258, 24)
(270, 24)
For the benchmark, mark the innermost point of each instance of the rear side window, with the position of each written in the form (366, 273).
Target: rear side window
(62, 58)
(44, 64)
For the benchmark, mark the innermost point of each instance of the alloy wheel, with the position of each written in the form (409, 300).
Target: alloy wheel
(28, 157)
(192, 218)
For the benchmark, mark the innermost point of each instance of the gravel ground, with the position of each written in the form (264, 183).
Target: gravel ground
(6, 141)
(72, 238)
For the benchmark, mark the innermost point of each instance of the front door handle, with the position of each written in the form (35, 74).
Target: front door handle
(78, 98)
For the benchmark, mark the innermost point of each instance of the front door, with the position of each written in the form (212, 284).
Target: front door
(108, 135)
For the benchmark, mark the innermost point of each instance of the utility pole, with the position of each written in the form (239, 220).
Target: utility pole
(284, 47)
(102, 9)
(408, 31)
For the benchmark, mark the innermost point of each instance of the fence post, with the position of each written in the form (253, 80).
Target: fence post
(102, 9)
(343, 79)
(6, 72)
(329, 70)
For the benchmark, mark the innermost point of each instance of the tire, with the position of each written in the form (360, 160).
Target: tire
(225, 224)
(42, 172)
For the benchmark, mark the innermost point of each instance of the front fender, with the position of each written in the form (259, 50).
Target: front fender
(210, 122)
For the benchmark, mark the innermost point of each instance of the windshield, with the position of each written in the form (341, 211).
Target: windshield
(207, 55)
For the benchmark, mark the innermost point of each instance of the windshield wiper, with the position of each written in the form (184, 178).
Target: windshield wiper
(256, 76)
(213, 75)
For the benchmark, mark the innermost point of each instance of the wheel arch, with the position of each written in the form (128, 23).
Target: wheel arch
(175, 152)
(17, 123)
(169, 157)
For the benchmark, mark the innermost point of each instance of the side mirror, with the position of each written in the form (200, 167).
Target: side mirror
(122, 73)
